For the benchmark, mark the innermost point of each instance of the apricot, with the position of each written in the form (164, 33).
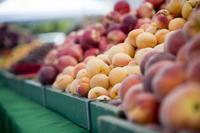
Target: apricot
(99, 80)
(120, 60)
(145, 40)
(117, 74)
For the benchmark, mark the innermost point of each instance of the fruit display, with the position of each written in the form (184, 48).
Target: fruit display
(96, 38)
(153, 72)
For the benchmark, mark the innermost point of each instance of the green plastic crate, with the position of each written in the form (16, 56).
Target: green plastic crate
(110, 124)
(97, 109)
(33, 91)
(72, 107)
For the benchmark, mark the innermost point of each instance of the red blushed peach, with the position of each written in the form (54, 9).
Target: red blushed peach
(141, 107)
(114, 92)
(65, 61)
(152, 71)
(91, 52)
(146, 10)
(76, 52)
(116, 36)
(51, 57)
(139, 55)
(167, 79)
(83, 87)
(127, 83)
(181, 108)
(158, 57)
(78, 67)
(193, 48)
(96, 92)
(193, 72)
(174, 41)
(145, 59)
(120, 60)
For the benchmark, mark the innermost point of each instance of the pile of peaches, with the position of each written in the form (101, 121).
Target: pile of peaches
(153, 73)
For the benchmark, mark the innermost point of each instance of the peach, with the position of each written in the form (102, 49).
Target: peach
(152, 71)
(95, 66)
(99, 80)
(103, 98)
(116, 36)
(47, 75)
(69, 71)
(65, 61)
(176, 23)
(72, 87)
(145, 10)
(132, 63)
(76, 52)
(141, 107)
(193, 72)
(156, 3)
(167, 79)
(161, 35)
(129, 49)
(145, 59)
(174, 41)
(51, 57)
(122, 7)
(96, 92)
(127, 83)
(142, 22)
(145, 40)
(158, 57)
(174, 7)
(131, 39)
(152, 28)
(82, 73)
(114, 50)
(133, 69)
(78, 67)
(105, 58)
(91, 52)
(159, 47)
(88, 58)
(186, 9)
(83, 86)
(193, 48)
(114, 92)
(117, 74)
(139, 55)
(120, 60)
(162, 18)
(62, 82)
(181, 108)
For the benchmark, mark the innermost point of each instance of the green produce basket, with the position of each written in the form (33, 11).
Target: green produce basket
(97, 109)
(33, 91)
(110, 124)
(11, 81)
(72, 107)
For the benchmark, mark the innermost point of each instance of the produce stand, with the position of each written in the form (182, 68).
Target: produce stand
(100, 108)
(109, 124)
(20, 115)
(72, 107)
